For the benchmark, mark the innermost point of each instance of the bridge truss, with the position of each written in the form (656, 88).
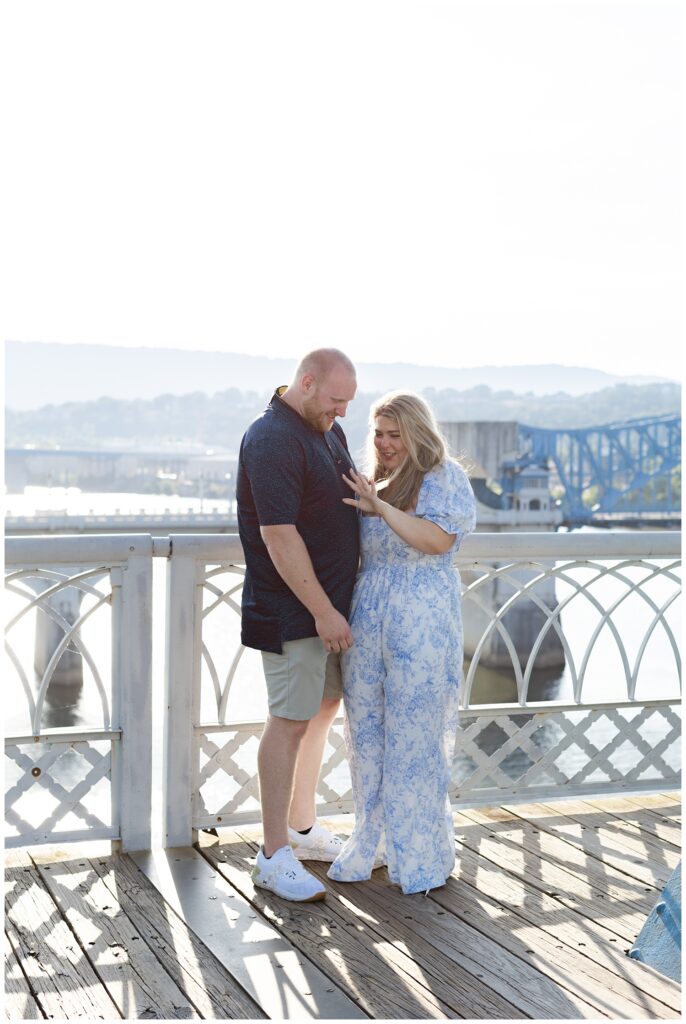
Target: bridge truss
(630, 468)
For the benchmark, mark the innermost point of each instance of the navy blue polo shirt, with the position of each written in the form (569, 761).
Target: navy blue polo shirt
(290, 473)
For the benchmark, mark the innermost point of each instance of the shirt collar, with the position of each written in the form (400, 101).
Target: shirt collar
(278, 405)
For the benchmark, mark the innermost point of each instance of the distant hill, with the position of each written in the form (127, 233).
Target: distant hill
(39, 374)
(218, 422)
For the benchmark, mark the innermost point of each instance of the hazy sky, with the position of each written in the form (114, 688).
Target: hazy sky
(460, 183)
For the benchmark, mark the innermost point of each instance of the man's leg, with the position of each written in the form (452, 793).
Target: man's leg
(309, 762)
(276, 760)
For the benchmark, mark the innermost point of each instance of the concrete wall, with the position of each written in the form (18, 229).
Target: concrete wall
(487, 443)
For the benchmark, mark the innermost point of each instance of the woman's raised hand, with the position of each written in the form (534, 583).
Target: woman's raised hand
(367, 499)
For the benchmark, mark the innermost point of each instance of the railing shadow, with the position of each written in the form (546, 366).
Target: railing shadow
(572, 877)
(534, 922)
(401, 956)
(147, 961)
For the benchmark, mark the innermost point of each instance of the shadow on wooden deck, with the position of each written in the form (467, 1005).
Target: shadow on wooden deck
(544, 902)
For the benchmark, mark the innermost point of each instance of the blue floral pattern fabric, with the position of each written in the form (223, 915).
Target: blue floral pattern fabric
(401, 682)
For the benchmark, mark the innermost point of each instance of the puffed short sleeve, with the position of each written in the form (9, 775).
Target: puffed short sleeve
(447, 499)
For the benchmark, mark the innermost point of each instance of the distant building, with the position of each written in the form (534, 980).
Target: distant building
(527, 488)
(511, 492)
(106, 470)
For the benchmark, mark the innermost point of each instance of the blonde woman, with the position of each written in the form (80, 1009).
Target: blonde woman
(401, 677)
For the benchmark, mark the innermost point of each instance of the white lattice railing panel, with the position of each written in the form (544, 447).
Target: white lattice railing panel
(503, 754)
(227, 789)
(78, 689)
(499, 756)
(59, 789)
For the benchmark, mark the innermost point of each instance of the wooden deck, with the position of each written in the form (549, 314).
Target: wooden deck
(536, 921)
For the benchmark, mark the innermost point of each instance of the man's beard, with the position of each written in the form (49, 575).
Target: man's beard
(320, 421)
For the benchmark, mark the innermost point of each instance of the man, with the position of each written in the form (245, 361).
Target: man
(301, 552)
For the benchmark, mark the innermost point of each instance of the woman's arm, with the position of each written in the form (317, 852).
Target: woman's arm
(419, 533)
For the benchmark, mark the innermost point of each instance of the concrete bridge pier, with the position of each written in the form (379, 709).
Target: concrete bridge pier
(49, 634)
(523, 623)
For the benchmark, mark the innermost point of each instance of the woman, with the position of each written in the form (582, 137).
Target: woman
(401, 676)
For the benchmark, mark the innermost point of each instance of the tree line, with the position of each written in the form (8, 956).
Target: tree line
(219, 420)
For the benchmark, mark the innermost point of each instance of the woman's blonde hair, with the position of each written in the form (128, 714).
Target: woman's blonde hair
(420, 434)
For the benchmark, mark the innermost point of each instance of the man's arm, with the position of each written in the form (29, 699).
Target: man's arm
(292, 561)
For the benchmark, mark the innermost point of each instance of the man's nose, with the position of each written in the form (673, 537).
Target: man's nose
(341, 409)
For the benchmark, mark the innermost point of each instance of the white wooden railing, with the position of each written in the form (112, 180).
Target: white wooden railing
(589, 593)
(91, 781)
(525, 749)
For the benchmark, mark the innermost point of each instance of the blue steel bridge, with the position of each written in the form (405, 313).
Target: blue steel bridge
(617, 472)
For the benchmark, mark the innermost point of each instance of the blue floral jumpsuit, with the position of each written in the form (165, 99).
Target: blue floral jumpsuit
(401, 682)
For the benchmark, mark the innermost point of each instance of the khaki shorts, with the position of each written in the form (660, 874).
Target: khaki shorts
(300, 678)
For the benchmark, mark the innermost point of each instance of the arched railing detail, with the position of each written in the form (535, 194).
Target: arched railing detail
(71, 632)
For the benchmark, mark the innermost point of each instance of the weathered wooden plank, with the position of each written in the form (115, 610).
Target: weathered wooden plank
(19, 1001)
(562, 952)
(656, 836)
(128, 968)
(672, 796)
(563, 924)
(270, 969)
(628, 831)
(18, 858)
(525, 858)
(636, 896)
(381, 978)
(207, 984)
(416, 922)
(667, 811)
(581, 952)
(62, 979)
(665, 805)
(601, 950)
(658, 817)
(452, 980)
(591, 834)
(576, 985)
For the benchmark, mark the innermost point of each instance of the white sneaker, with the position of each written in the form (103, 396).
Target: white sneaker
(318, 844)
(285, 876)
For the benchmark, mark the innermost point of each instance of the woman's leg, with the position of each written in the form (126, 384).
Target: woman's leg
(363, 682)
(422, 653)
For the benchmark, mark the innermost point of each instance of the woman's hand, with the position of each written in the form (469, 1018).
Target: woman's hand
(367, 500)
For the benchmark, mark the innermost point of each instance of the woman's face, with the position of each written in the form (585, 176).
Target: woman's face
(388, 444)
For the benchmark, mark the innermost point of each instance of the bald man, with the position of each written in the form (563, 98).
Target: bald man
(301, 552)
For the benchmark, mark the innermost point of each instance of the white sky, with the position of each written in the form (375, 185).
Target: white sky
(455, 183)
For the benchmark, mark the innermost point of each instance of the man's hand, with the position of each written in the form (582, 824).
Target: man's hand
(292, 562)
(334, 631)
